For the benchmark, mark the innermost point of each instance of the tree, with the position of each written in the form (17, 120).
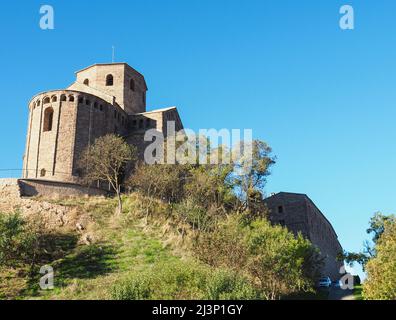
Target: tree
(381, 269)
(252, 170)
(377, 228)
(210, 186)
(163, 181)
(106, 160)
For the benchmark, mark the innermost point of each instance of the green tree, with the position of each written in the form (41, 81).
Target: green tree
(251, 172)
(381, 269)
(376, 229)
(162, 181)
(211, 186)
(106, 160)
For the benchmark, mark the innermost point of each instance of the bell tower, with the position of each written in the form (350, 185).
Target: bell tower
(117, 80)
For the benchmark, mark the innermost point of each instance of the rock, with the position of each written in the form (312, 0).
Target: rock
(87, 239)
(80, 227)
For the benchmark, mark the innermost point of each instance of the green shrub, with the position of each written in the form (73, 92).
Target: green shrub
(197, 217)
(226, 285)
(135, 288)
(18, 241)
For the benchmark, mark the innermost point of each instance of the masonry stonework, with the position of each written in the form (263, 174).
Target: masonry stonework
(104, 99)
(298, 213)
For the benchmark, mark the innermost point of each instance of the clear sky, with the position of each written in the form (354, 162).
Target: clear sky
(323, 98)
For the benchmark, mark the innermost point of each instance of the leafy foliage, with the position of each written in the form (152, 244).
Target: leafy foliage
(377, 228)
(381, 270)
(18, 240)
(280, 263)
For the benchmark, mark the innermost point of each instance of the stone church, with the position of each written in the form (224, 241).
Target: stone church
(104, 99)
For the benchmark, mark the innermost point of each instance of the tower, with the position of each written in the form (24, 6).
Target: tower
(117, 80)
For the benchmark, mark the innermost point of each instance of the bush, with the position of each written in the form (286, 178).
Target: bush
(197, 217)
(227, 285)
(135, 288)
(18, 241)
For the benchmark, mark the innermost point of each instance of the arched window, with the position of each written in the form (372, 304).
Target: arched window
(86, 82)
(43, 172)
(54, 98)
(46, 100)
(80, 99)
(48, 119)
(132, 85)
(109, 80)
(38, 103)
(71, 98)
(63, 97)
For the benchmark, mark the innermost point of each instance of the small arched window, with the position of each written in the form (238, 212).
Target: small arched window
(54, 98)
(46, 100)
(109, 80)
(48, 119)
(71, 98)
(43, 172)
(38, 103)
(80, 100)
(132, 85)
(63, 97)
(86, 82)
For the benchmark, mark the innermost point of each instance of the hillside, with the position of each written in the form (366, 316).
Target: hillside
(154, 249)
(107, 249)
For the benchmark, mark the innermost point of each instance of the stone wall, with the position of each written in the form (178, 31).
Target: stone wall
(31, 188)
(78, 119)
(50, 214)
(299, 214)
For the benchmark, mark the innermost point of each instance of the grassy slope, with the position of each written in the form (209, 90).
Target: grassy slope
(121, 245)
(133, 242)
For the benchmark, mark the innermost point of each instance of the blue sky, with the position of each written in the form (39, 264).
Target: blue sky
(323, 98)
